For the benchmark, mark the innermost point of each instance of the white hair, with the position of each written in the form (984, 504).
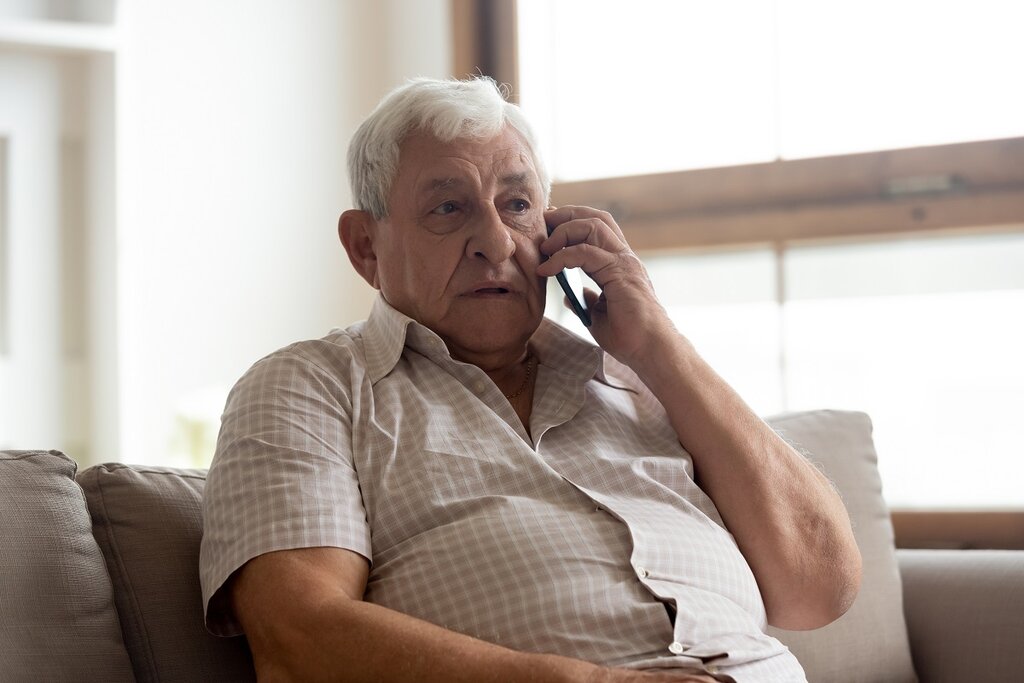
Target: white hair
(447, 109)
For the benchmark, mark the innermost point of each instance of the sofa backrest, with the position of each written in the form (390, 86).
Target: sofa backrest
(57, 615)
(99, 578)
(147, 522)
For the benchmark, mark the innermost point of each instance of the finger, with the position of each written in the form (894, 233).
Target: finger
(593, 300)
(592, 259)
(593, 230)
(590, 300)
(556, 216)
(581, 230)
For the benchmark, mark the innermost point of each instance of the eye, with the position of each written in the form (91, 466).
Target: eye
(519, 206)
(445, 209)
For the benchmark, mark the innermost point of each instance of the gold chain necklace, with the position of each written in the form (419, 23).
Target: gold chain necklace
(526, 380)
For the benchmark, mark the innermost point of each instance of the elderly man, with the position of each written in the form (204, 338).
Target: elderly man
(457, 489)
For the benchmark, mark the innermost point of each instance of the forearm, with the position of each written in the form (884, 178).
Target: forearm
(786, 517)
(356, 641)
(788, 521)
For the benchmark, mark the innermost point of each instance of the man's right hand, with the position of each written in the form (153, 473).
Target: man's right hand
(666, 676)
(628, 676)
(303, 614)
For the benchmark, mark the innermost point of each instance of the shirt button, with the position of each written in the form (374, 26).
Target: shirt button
(642, 573)
(478, 387)
(676, 648)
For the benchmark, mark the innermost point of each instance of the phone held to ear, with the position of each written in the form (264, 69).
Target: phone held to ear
(572, 284)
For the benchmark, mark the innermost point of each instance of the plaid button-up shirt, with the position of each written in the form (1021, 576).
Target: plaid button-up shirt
(585, 537)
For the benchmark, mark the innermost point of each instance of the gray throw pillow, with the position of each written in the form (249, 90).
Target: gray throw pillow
(869, 643)
(57, 618)
(148, 522)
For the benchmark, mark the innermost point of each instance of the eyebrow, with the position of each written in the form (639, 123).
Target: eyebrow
(441, 184)
(521, 178)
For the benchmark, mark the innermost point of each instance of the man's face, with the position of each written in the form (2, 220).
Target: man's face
(459, 249)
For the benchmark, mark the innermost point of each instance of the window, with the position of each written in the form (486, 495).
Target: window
(749, 81)
(926, 336)
(820, 191)
(923, 334)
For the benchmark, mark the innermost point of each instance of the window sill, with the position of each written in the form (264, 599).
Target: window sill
(959, 529)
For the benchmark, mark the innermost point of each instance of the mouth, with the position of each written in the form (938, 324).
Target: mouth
(491, 288)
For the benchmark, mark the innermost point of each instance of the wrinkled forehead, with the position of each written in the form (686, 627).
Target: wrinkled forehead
(424, 158)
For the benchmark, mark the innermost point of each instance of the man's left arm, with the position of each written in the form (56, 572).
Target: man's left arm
(786, 517)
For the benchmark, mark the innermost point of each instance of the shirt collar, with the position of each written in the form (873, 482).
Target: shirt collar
(388, 332)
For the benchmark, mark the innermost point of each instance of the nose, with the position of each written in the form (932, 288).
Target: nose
(490, 238)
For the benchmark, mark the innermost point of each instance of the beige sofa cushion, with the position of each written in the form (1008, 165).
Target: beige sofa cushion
(148, 523)
(964, 611)
(53, 583)
(869, 643)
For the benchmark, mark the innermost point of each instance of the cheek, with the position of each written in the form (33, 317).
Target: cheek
(401, 275)
(528, 251)
(427, 269)
(392, 268)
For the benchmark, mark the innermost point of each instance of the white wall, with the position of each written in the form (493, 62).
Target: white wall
(56, 104)
(31, 366)
(233, 119)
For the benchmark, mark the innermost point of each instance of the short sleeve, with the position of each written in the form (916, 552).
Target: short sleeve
(282, 477)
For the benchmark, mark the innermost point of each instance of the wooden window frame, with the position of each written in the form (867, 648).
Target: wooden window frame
(973, 187)
(485, 41)
(959, 529)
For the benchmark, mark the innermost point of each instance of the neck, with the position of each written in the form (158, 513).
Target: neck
(509, 377)
(506, 367)
(493, 362)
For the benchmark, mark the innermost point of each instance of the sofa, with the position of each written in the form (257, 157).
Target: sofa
(98, 579)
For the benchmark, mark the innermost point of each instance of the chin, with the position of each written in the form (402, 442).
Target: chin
(489, 336)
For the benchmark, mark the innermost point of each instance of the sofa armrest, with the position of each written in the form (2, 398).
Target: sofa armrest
(963, 610)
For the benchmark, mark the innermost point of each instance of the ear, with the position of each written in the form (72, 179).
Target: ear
(356, 230)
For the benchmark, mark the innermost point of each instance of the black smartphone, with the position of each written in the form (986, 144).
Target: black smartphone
(571, 281)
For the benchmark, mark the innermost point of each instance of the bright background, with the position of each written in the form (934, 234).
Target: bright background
(925, 334)
(171, 176)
